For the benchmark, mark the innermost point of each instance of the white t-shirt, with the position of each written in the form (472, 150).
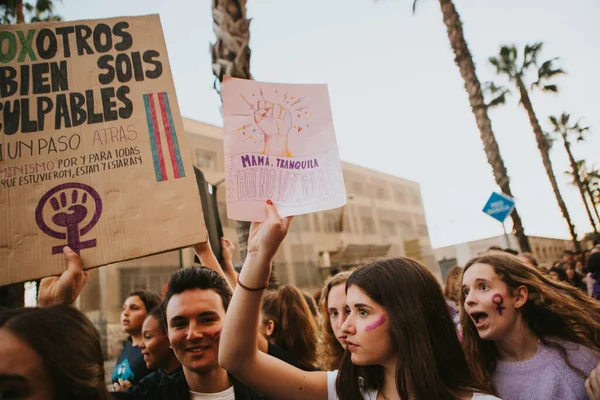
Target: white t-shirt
(227, 394)
(372, 395)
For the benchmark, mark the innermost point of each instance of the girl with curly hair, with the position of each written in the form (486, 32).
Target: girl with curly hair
(528, 336)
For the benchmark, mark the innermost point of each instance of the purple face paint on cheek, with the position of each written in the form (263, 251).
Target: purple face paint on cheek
(376, 324)
(498, 300)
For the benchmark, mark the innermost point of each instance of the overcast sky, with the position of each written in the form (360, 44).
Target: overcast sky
(395, 90)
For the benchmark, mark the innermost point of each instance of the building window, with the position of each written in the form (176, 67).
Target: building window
(406, 229)
(205, 159)
(347, 226)
(382, 193)
(357, 188)
(399, 195)
(317, 222)
(301, 224)
(332, 222)
(307, 274)
(416, 199)
(144, 278)
(367, 225)
(388, 228)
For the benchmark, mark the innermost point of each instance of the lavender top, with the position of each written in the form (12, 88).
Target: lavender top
(546, 375)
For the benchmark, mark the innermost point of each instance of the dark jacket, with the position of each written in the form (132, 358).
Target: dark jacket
(175, 387)
(160, 386)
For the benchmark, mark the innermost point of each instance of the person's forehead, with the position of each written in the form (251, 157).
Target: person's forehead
(151, 324)
(134, 300)
(337, 294)
(193, 302)
(356, 295)
(479, 271)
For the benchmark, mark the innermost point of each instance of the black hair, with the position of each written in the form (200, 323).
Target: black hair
(158, 315)
(593, 263)
(150, 299)
(195, 278)
(562, 276)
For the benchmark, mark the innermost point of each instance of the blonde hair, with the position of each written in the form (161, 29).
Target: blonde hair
(453, 283)
(553, 310)
(331, 351)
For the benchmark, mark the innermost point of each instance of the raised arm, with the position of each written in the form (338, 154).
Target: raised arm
(228, 249)
(209, 260)
(238, 353)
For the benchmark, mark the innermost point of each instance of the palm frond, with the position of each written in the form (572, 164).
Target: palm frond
(506, 61)
(554, 121)
(497, 93)
(550, 88)
(580, 129)
(415, 6)
(549, 139)
(545, 72)
(530, 55)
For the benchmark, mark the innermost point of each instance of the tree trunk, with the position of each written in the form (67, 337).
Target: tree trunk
(231, 51)
(464, 61)
(579, 183)
(231, 57)
(545, 153)
(592, 200)
(19, 12)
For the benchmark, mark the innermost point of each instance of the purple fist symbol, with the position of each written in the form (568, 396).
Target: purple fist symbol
(69, 207)
(77, 212)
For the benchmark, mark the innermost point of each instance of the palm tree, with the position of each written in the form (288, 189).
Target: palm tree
(585, 179)
(231, 57)
(466, 66)
(590, 184)
(517, 69)
(593, 176)
(13, 11)
(565, 131)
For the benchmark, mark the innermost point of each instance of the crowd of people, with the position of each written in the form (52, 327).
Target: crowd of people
(501, 328)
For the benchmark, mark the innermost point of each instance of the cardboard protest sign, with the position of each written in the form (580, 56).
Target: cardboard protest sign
(279, 145)
(92, 149)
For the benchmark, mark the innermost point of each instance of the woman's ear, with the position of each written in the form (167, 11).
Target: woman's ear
(521, 295)
(270, 327)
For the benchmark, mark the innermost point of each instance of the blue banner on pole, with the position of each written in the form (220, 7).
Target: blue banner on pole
(499, 206)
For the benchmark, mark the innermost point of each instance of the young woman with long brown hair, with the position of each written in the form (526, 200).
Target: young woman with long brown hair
(333, 309)
(401, 339)
(529, 336)
(286, 321)
(50, 353)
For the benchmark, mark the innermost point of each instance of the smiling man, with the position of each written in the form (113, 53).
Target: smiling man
(193, 311)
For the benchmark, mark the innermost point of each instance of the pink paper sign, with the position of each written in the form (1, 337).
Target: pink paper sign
(279, 145)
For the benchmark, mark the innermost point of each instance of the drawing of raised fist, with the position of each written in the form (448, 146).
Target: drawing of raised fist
(275, 122)
(68, 215)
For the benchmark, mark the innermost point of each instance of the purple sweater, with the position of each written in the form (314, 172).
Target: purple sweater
(546, 376)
